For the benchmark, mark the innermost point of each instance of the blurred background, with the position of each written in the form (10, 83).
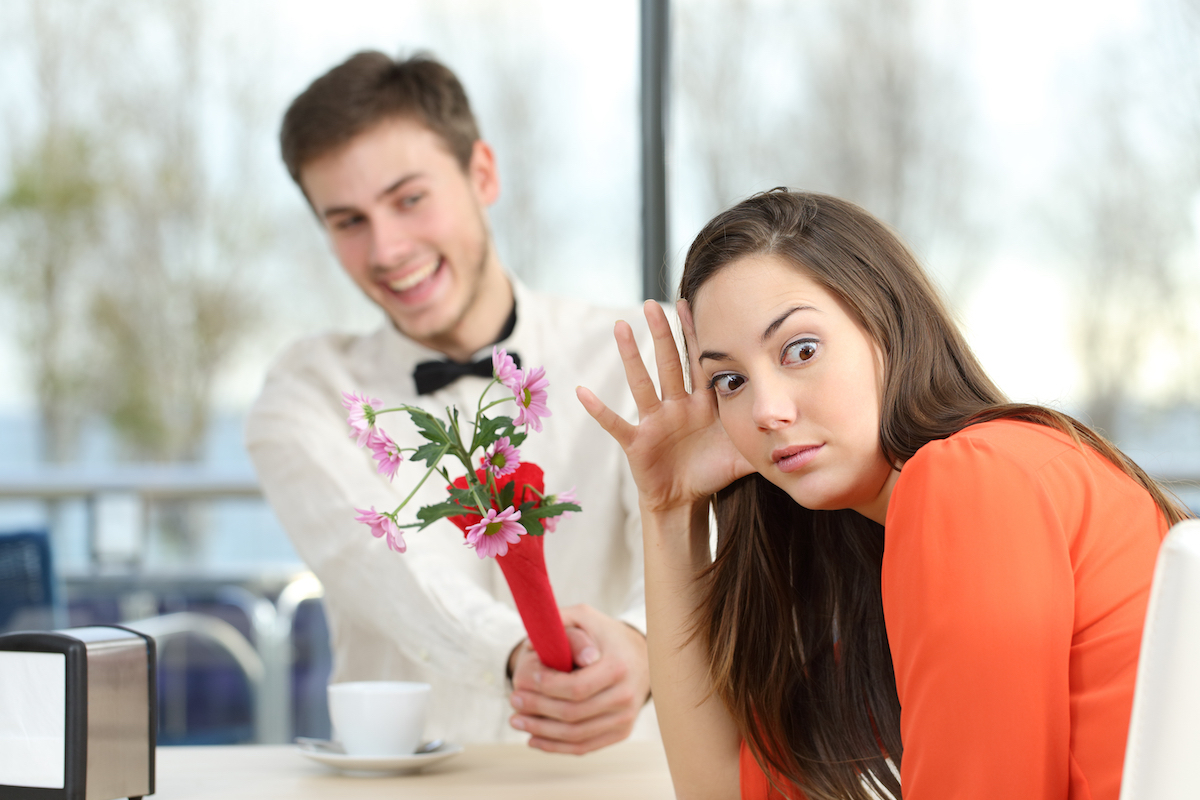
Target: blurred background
(1041, 156)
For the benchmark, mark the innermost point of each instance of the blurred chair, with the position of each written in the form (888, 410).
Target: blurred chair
(1164, 731)
(311, 664)
(29, 593)
(208, 678)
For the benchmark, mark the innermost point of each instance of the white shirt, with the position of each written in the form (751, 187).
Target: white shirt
(438, 613)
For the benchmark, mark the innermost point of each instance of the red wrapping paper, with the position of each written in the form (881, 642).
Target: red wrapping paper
(524, 567)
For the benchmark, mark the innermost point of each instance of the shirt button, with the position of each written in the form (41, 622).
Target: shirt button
(424, 654)
(489, 679)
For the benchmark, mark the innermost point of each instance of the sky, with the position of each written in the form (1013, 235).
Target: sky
(1019, 53)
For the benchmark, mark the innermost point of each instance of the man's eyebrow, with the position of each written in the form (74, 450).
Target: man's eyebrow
(774, 326)
(333, 211)
(396, 184)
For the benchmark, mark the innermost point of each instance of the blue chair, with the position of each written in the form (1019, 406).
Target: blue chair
(30, 598)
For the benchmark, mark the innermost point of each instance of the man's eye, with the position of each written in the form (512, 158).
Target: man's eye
(799, 351)
(346, 223)
(726, 383)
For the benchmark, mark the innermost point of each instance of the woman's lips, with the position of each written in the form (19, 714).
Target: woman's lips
(790, 459)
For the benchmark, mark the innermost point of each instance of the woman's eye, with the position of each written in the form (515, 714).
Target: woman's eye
(726, 382)
(800, 351)
(408, 201)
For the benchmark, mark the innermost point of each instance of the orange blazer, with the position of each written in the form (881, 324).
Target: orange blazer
(1016, 573)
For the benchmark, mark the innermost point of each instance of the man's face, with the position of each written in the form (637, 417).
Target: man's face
(409, 225)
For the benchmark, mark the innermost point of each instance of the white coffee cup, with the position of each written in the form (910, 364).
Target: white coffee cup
(378, 718)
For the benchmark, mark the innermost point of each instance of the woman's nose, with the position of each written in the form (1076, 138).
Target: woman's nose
(773, 406)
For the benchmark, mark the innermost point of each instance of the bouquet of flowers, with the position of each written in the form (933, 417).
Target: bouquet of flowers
(499, 506)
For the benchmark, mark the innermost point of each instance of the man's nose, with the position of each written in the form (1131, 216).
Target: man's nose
(391, 242)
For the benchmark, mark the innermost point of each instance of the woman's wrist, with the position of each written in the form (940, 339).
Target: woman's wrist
(681, 532)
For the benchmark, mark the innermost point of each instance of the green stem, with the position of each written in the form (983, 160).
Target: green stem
(421, 482)
(495, 403)
(479, 409)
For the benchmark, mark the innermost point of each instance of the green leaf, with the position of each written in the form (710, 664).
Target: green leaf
(430, 514)
(550, 510)
(490, 429)
(430, 426)
(506, 495)
(429, 453)
(515, 438)
(464, 497)
(533, 526)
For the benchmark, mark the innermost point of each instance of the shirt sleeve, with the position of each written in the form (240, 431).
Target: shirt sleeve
(314, 475)
(978, 600)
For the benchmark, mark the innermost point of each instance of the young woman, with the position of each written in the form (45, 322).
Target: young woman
(919, 588)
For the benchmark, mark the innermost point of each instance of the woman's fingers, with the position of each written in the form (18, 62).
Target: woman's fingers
(666, 352)
(693, 348)
(610, 420)
(645, 396)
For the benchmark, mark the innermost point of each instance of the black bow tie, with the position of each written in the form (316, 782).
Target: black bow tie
(433, 375)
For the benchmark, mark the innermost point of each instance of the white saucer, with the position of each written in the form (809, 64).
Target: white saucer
(377, 765)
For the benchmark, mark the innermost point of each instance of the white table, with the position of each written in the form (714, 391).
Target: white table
(626, 771)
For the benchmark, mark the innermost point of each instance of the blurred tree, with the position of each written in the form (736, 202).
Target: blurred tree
(846, 98)
(132, 256)
(50, 211)
(514, 103)
(1129, 187)
(889, 125)
(176, 303)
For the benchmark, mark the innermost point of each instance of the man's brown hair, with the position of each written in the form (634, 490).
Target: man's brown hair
(371, 87)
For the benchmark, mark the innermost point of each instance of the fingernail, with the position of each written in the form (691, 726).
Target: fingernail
(518, 723)
(589, 656)
(537, 677)
(517, 701)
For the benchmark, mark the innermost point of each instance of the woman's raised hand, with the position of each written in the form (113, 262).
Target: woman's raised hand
(678, 453)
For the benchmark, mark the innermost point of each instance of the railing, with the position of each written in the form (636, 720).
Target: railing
(117, 500)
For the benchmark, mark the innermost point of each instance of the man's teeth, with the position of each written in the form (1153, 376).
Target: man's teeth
(413, 278)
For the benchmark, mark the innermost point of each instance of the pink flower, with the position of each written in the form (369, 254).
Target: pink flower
(385, 451)
(505, 368)
(492, 535)
(501, 458)
(550, 523)
(362, 414)
(382, 525)
(531, 398)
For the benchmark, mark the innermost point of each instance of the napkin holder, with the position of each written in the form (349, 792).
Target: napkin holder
(78, 714)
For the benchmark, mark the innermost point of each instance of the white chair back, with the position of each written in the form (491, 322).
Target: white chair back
(1163, 750)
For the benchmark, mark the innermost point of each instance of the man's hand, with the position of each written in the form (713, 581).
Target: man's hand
(592, 707)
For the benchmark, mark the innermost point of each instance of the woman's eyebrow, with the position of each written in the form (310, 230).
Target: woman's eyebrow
(713, 355)
(716, 355)
(774, 326)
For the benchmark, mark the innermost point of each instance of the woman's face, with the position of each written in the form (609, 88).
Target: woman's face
(798, 384)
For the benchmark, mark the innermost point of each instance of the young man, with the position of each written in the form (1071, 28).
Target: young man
(389, 157)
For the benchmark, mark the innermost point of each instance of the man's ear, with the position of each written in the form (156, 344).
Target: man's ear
(481, 171)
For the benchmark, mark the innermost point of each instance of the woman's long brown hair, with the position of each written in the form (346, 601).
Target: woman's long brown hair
(788, 583)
